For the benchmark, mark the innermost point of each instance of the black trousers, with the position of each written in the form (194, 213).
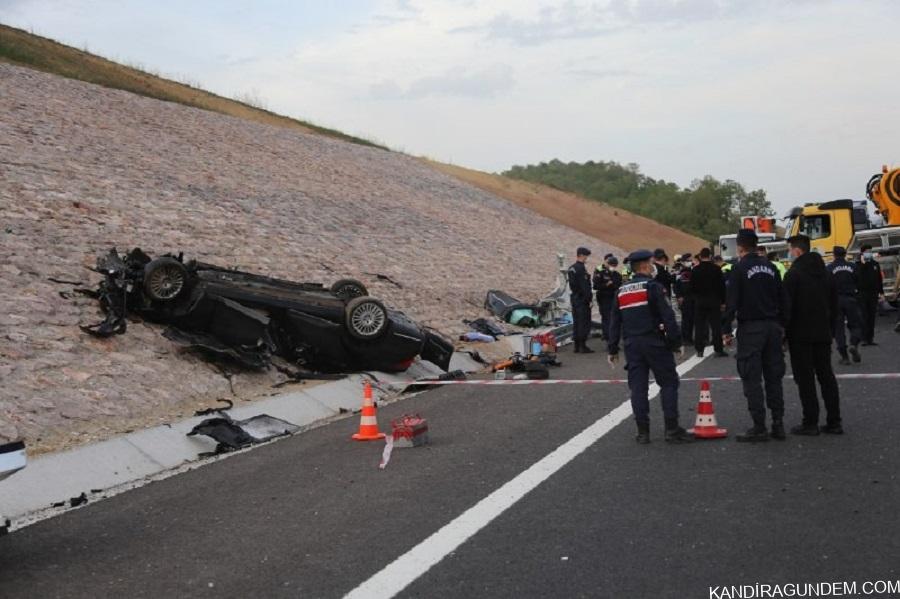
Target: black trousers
(811, 362)
(688, 306)
(869, 305)
(581, 321)
(707, 316)
(643, 355)
(760, 357)
(605, 303)
(849, 313)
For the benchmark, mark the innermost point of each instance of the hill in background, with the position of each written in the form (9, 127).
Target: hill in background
(708, 208)
(630, 231)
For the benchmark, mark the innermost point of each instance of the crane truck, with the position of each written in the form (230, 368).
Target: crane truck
(846, 222)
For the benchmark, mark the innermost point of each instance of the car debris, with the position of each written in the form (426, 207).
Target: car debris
(251, 318)
(486, 327)
(231, 434)
(12, 458)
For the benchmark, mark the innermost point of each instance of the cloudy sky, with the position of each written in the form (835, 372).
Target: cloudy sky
(799, 97)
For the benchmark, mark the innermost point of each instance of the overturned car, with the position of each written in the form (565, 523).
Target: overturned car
(252, 318)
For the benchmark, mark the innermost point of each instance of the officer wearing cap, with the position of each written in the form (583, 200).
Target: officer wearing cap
(607, 281)
(580, 286)
(757, 298)
(846, 279)
(642, 315)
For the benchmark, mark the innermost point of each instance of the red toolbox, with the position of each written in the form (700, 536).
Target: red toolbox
(410, 430)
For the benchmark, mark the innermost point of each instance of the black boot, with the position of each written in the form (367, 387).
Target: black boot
(805, 430)
(778, 429)
(643, 434)
(845, 359)
(854, 353)
(832, 428)
(585, 349)
(754, 434)
(676, 434)
(578, 347)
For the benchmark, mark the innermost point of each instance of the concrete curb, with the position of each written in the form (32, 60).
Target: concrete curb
(132, 459)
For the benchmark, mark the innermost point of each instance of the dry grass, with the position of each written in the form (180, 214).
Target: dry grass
(26, 49)
(613, 225)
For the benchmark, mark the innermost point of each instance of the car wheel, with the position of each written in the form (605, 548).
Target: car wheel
(165, 279)
(366, 318)
(348, 289)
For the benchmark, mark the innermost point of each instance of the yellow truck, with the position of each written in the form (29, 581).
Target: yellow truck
(846, 222)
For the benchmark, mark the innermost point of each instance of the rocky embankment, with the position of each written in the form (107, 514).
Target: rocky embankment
(84, 168)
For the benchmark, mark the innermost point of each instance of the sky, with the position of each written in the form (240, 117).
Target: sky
(797, 97)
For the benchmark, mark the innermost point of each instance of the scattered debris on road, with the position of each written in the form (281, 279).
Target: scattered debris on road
(232, 434)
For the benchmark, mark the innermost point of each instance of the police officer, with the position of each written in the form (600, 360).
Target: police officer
(756, 296)
(871, 289)
(684, 295)
(663, 276)
(642, 315)
(846, 280)
(607, 281)
(580, 286)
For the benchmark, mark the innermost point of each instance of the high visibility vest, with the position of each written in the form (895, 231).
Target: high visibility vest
(781, 268)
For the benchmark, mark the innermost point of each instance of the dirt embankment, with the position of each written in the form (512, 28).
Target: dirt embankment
(616, 226)
(84, 168)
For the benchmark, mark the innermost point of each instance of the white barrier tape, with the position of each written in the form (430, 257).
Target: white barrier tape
(711, 379)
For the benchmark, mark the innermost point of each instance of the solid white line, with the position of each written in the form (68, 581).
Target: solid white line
(400, 573)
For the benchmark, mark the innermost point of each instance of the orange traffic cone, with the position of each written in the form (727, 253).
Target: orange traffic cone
(368, 423)
(706, 427)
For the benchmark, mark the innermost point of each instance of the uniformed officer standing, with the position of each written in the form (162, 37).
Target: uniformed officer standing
(871, 289)
(684, 295)
(846, 280)
(757, 297)
(580, 286)
(663, 276)
(643, 316)
(607, 281)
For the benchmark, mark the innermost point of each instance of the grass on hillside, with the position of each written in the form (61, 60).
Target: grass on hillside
(613, 225)
(27, 49)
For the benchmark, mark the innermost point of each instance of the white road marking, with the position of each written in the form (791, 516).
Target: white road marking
(400, 573)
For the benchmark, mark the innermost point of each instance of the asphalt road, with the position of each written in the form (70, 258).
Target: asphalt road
(313, 516)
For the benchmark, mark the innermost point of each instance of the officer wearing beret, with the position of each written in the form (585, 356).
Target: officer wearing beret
(607, 281)
(581, 298)
(642, 315)
(846, 279)
(757, 298)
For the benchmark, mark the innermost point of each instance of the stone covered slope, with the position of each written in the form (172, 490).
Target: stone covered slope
(84, 168)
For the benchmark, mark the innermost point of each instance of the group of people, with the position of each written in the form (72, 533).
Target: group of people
(802, 308)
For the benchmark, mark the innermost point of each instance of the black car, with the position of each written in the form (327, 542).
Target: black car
(252, 318)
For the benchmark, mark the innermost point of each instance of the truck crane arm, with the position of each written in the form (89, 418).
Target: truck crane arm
(883, 189)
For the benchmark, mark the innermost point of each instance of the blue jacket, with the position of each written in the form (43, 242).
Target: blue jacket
(580, 284)
(639, 310)
(756, 293)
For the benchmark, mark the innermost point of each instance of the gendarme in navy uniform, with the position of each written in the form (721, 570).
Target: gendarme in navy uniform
(846, 279)
(758, 299)
(581, 297)
(642, 315)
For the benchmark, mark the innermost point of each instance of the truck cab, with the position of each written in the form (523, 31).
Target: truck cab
(828, 224)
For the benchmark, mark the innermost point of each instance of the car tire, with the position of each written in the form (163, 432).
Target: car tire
(165, 279)
(366, 318)
(348, 289)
